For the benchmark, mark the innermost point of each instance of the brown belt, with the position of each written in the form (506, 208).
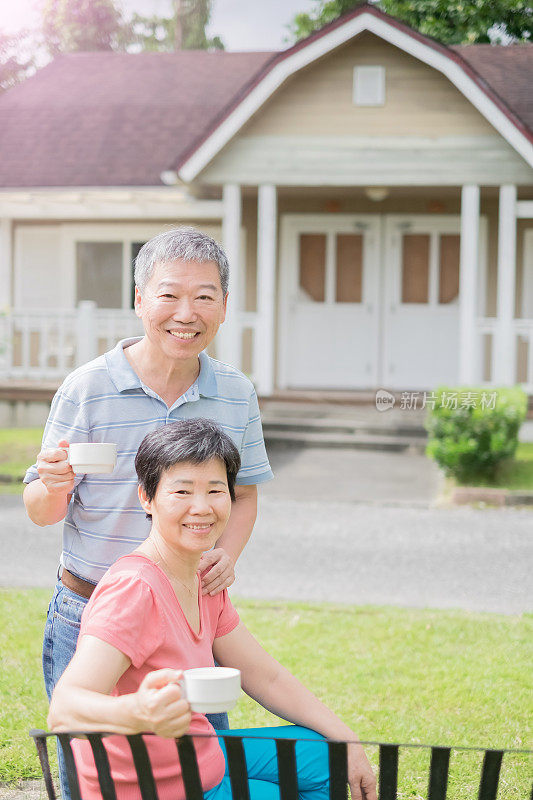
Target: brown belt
(78, 585)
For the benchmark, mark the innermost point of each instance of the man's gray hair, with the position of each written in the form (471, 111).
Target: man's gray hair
(180, 244)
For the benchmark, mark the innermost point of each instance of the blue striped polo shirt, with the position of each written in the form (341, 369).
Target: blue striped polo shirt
(105, 401)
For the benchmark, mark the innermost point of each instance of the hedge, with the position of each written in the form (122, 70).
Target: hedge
(473, 430)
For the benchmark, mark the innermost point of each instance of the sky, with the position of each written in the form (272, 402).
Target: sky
(241, 24)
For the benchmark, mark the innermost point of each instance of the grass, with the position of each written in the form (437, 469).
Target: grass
(515, 475)
(23, 700)
(439, 677)
(18, 449)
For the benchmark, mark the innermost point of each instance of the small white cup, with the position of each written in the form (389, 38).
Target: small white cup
(211, 689)
(94, 457)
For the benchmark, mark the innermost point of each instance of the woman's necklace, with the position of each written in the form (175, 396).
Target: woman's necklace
(192, 592)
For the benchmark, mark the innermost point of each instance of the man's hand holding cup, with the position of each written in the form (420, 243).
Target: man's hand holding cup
(54, 469)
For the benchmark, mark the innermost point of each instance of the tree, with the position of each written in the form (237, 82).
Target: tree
(184, 30)
(16, 58)
(449, 21)
(80, 25)
(88, 25)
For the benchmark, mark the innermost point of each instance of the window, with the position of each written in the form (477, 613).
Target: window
(99, 273)
(103, 257)
(449, 252)
(349, 276)
(415, 268)
(369, 86)
(313, 266)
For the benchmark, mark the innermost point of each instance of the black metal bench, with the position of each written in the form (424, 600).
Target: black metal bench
(388, 768)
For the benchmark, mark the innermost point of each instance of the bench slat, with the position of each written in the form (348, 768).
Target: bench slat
(143, 767)
(388, 771)
(107, 787)
(70, 765)
(338, 770)
(490, 774)
(288, 779)
(189, 768)
(42, 752)
(438, 773)
(238, 773)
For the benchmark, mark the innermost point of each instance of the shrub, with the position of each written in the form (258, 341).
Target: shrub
(472, 431)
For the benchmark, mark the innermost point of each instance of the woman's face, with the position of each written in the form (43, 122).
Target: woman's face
(191, 506)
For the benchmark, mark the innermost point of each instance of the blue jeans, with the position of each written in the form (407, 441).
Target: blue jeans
(60, 637)
(261, 762)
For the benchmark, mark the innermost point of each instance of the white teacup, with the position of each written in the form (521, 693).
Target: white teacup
(211, 689)
(95, 457)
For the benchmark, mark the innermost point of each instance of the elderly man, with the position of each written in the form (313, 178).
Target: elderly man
(181, 292)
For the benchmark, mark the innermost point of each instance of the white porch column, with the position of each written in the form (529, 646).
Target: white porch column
(229, 338)
(505, 340)
(263, 353)
(469, 258)
(6, 262)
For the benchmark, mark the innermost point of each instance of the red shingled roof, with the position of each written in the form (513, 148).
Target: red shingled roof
(110, 119)
(508, 72)
(113, 119)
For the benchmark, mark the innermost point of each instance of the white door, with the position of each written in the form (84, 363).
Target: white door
(421, 300)
(329, 301)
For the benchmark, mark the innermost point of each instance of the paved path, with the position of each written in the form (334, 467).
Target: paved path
(361, 530)
(359, 554)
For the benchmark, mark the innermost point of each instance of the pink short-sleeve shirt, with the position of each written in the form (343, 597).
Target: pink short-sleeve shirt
(135, 609)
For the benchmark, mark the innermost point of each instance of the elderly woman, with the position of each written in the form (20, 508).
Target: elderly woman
(148, 620)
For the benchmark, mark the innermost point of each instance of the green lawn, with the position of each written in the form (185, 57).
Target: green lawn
(439, 677)
(18, 448)
(516, 474)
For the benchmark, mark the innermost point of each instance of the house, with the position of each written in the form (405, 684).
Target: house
(373, 189)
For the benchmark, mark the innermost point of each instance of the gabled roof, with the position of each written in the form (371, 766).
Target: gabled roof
(508, 72)
(110, 119)
(113, 119)
(365, 17)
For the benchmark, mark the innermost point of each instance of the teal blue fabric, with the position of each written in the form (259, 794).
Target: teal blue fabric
(261, 763)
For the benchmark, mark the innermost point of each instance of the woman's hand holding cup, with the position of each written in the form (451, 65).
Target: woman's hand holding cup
(160, 705)
(55, 471)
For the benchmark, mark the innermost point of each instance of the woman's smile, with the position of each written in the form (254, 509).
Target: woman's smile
(202, 527)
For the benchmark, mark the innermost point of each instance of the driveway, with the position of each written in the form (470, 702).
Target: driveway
(345, 527)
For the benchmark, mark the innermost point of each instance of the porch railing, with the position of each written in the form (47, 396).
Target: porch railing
(486, 330)
(523, 367)
(45, 345)
(37, 344)
(524, 353)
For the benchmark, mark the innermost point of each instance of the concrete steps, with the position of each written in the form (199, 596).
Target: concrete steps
(331, 425)
(359, 441)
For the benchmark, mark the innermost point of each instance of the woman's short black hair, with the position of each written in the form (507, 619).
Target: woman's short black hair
(191, 441)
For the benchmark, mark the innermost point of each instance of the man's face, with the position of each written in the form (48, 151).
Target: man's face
(181, 307)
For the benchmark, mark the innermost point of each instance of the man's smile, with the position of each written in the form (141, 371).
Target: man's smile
(184, 335)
